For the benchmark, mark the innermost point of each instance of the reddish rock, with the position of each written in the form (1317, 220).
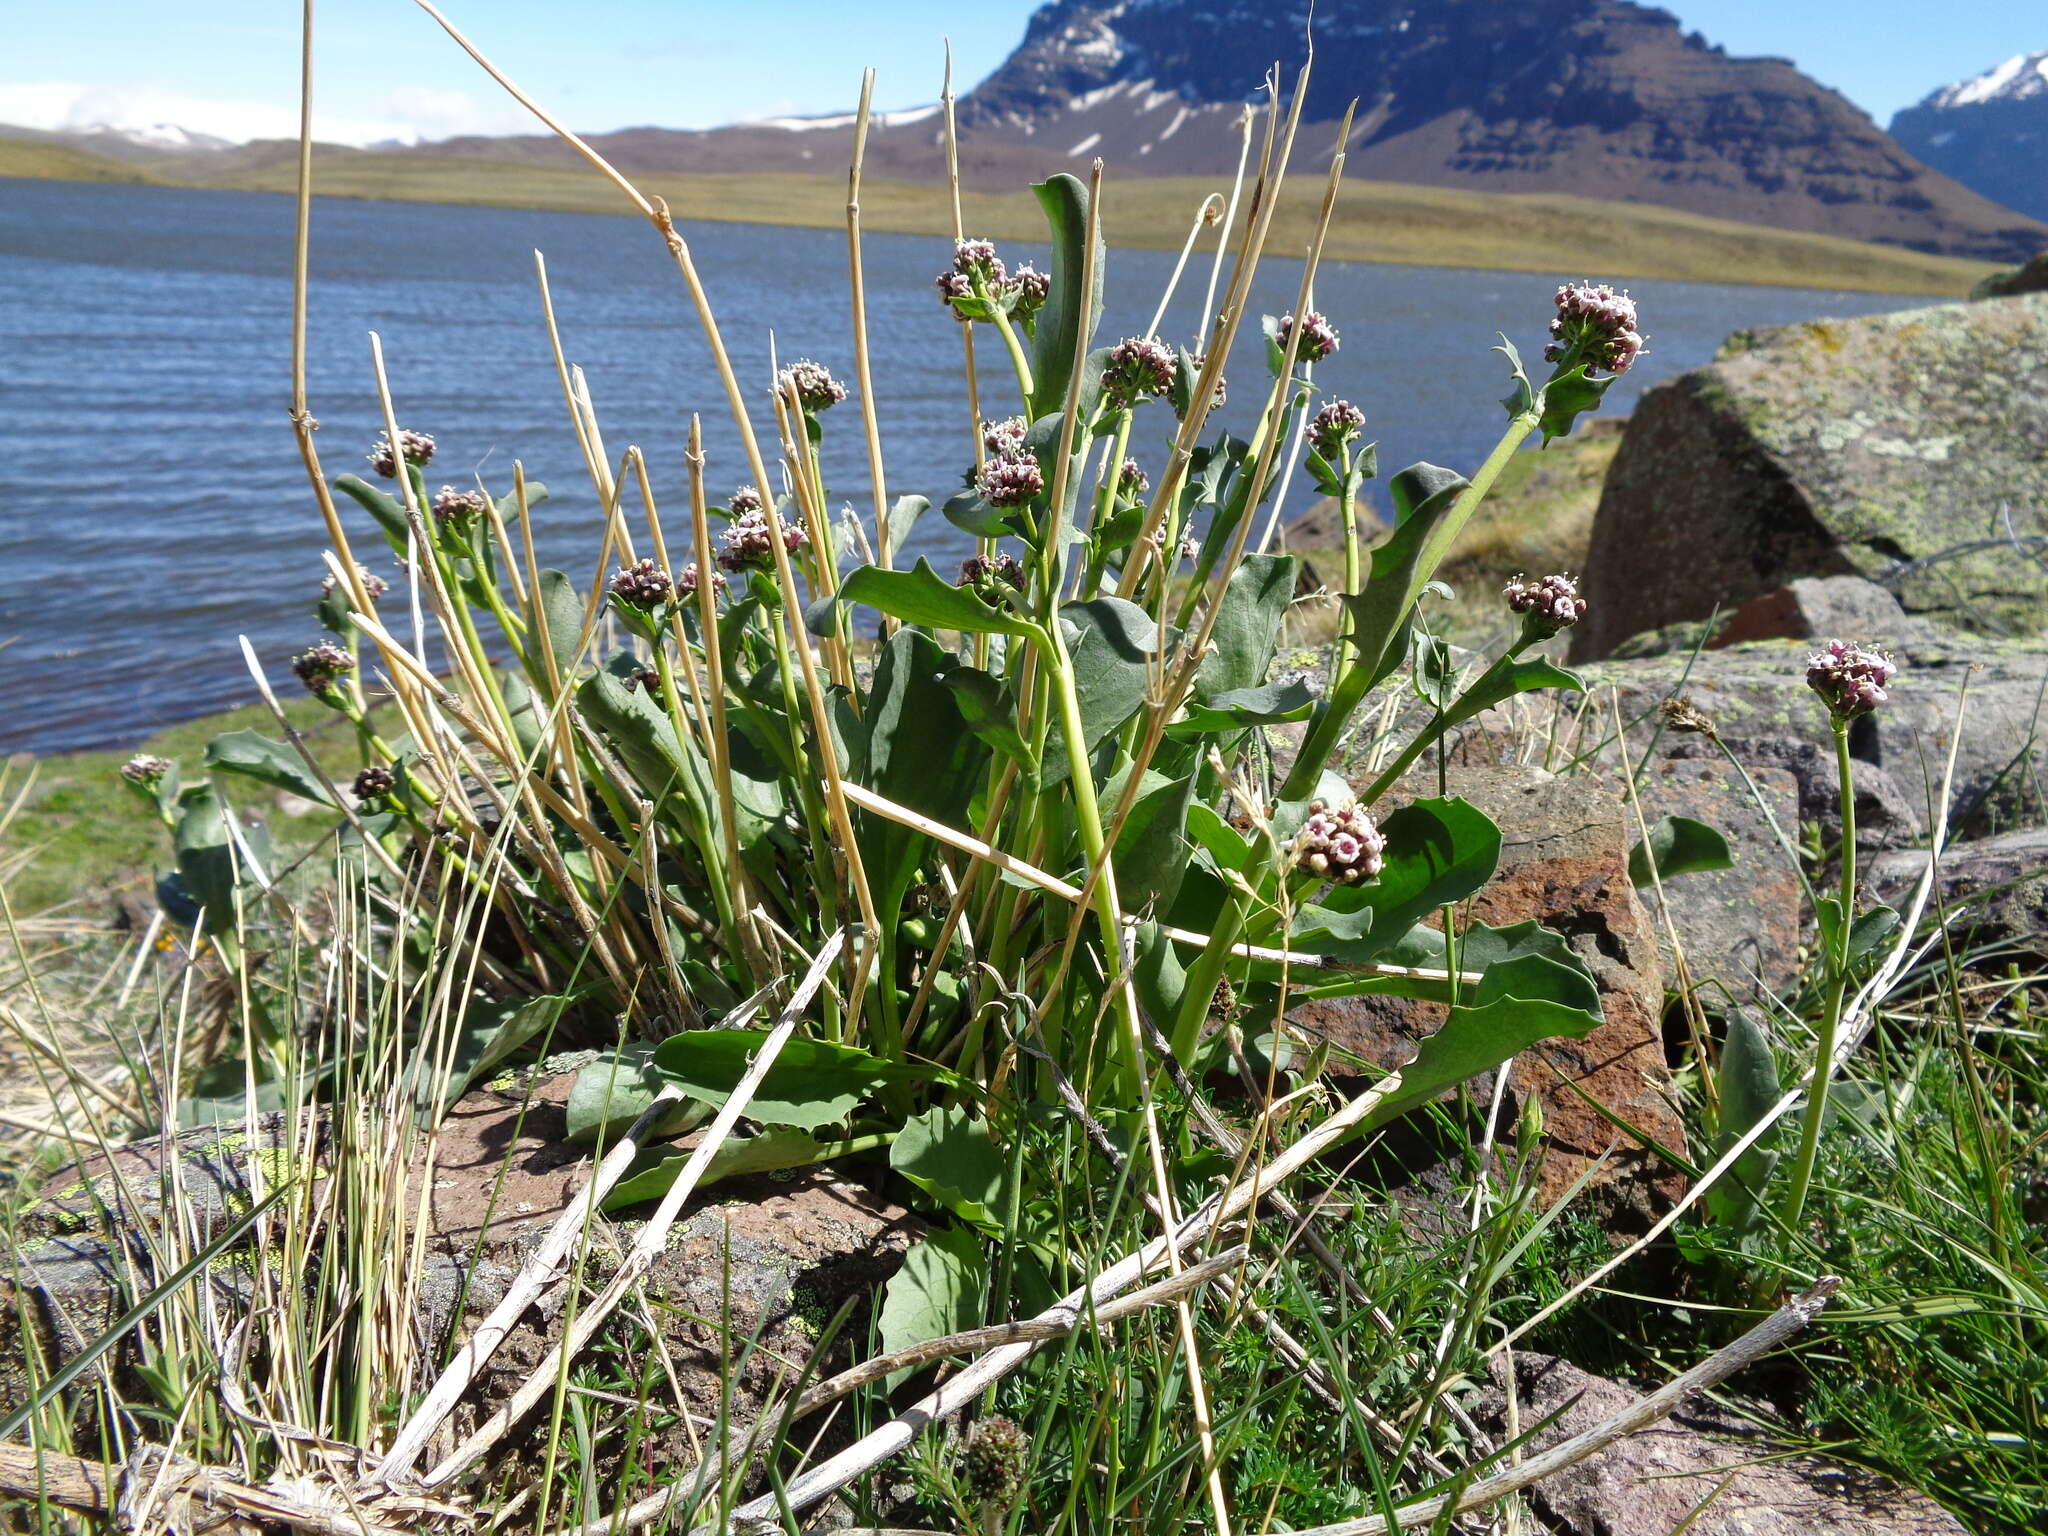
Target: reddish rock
(1564, 863)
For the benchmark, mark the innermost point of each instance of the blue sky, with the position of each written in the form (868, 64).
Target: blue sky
(229, 67)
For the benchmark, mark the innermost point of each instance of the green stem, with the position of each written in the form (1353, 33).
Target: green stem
(1018, 361)
(1335, 714)
(1838, 986)
(1441, 722)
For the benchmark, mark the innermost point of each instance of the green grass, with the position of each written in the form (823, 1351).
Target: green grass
(1374, 221)
(42, 161)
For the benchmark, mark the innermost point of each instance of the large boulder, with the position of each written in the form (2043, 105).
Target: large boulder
(1564, 863)
(1904, 447)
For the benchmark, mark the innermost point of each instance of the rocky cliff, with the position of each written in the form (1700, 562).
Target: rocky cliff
(1990, 133)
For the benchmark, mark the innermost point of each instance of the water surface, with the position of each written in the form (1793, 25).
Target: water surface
(152, 503)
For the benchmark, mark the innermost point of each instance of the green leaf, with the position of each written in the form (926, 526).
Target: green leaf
(991, 713)
(921, 754)
(1568, 396)
(951, 1157)
(1677, 845)
(1749, 1087)
(1514, 1007)
(1498, 684)
(207, 865)
(491, 1030)
(811, 1083)
(1435, 675)
(939, 1291)
(772, 1151)
(266, 761)
(903, 515)
(1160, 978)
(966, 511)
(1870, 930)
(922, 596)
(387, 509)
(1238, 708)
(612, 1092)
(1069, 315)
(662, 762)
(1152, 854)
(1247, 629)
(1404, 564)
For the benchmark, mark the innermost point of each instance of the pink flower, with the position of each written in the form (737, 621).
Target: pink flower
(816, 390)
(1011, 480)
(645, 586)
(1850, 679)
(1318, 336)
(1595, 325)
(418, 448)
(455, 508)
(1001, 437)
(748, 542)
(1334, 426)
(1343, 845)
(1138, 369)
(1551, 603)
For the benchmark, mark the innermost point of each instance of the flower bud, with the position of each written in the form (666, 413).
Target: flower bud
(1131, 481)
(979, 571)
(374, 585)
(750, 544)
(418, 448)
(1688, 719)
(321, 668)
(995, 1462)
(687, 579)
(146, 770)
(457, 509)
(1318, 336)
(1138, 369)
(744, 499)
(1342, 846)
(1197, 361)
(373, 782)
(1334, 425)
(645, 586)
(815, 388)
(1595, 326)
(1031, 287)
(1850, 679)
(1548, 605)
(1010, 480)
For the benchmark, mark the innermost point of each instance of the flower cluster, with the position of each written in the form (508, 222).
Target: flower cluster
(1138, 369)
(1030, 288)
(1131, 481)
(1550, 603)
(376, 586)
(1688, 719)
(688, 578)
(1850, 679)
(1318, 336)
(1595, 325)
(418, 448)
(373, 782)
(145, 769)
(744, 499)
(749, 544)
(1010, 480)
(984, 571)
(321, 667)
(978, 272)
(993, 1465)
(815, 388)
(1341, 845)
(454, 509)
(1001, 437)
(1334, 426)
(645, 586)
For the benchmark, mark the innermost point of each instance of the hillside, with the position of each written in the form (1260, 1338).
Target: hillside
(54, 160)
(1375, 221)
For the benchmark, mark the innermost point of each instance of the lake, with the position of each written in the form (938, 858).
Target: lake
(152, 503)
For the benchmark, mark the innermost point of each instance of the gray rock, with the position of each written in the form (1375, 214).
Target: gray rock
(2002, 881)
(1707, 1477)
(1886, 817)
(1817, 608)
(1863, 447)
(2031, 278)
(1739, 927)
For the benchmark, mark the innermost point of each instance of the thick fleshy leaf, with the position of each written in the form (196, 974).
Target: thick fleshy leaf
(903, 515)
(1152, 851)
(266, 761)
(920, 753)
(922, 596)
(1748, 1088)
(772, 1151)
(1069, 315)
(1438, 852)
(1677, 845)
(1247, 629)
(951, 1157)
(612, 1092)
(811, 1083)
(386, 509)
(991, 713)
(1109, 643)
(939, 1291)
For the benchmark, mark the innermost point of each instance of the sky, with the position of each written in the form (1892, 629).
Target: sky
(386, 71)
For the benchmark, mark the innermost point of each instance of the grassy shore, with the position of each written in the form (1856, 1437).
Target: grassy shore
(1375, 221)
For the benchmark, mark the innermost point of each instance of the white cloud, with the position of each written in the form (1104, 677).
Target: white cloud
(407, 113)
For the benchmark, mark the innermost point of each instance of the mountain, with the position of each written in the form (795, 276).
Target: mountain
(1990, 133)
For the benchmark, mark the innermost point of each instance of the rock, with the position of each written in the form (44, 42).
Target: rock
(1861, 447)
(1705, 1476)
(2003, 881)
(1886, 817)
(772, 1256)
(1740, 927)
(1816, 608)
(1564, 862)
(2032, 278)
